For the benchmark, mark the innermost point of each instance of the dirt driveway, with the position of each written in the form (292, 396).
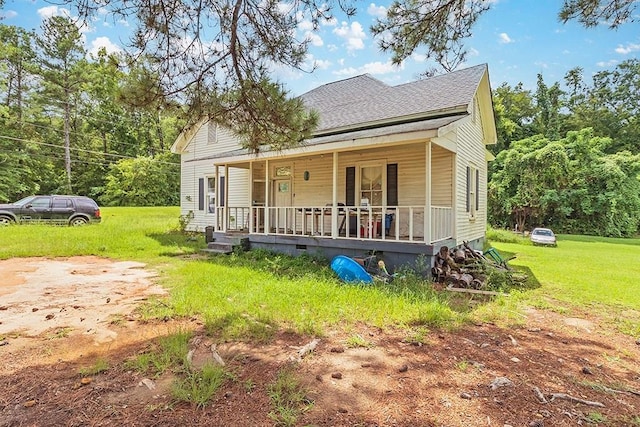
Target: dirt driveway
(60, 315)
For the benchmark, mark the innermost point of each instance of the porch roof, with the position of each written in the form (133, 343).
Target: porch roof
(358, 139)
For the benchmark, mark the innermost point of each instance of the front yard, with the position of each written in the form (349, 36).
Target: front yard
(402, 354)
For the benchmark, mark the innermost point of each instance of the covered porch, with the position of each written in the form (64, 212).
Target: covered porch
(396, 192)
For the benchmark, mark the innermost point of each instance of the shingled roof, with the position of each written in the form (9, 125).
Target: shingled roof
(363, 101)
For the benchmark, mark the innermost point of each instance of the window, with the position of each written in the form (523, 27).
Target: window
(371, 185)
(283, 171)
(211, 195)
(212, 136)
(473, 185)
(59, 203)
(41, 203)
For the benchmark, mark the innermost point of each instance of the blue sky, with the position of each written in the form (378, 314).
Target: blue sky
(517, 39)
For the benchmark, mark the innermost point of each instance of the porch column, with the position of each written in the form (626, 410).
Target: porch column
(226, 197)
(251, 207)
(217, 197)
(427, 186)
(267, 184)
(334, 198)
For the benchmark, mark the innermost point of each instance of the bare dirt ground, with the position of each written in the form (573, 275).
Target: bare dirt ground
(58, 316)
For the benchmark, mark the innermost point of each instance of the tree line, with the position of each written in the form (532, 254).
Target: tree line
(74, 123)
(569, 159)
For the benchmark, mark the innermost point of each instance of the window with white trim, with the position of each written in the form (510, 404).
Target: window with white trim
(372, 184)
(211, 194)
(473, 184)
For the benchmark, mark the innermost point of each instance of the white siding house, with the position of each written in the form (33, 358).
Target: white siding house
(395, 169)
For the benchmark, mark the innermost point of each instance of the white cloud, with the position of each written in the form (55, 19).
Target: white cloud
(504, 38)
(332, 47)
(321, 64)
(473, 52)
(332, 22)
(375, 68)
(305, 25)
(630, 47)
(8, 14)
(377, 11)
(540, 64)
(101, 42)
(314, 38)
(353, 35)
(50, 11)
(607, 64)
(418, 57)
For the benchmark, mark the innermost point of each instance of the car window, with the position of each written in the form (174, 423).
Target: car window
(61, 203)
(41, 202)
(544, 232)
(24, 201)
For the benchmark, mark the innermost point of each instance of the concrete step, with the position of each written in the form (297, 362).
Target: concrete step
(219, 248)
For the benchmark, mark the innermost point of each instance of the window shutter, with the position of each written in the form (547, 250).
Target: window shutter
(477, 189)
(201, 194)
(350, 190)
(392, 184)
(468, 189)
(222, 190)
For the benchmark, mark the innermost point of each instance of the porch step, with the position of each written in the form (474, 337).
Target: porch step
(219, 248)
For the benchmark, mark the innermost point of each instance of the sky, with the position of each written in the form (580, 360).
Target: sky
(517, 39)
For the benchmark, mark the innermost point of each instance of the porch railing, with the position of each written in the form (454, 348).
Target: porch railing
(400, 223)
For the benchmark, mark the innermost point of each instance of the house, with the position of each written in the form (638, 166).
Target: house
(400, 170)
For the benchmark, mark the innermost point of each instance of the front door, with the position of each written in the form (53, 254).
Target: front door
(282, 191)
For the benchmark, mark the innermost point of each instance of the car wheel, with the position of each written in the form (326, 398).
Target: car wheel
(77, 221)
(5, 220)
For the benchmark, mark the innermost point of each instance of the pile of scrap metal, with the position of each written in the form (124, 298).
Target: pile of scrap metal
(464, 267)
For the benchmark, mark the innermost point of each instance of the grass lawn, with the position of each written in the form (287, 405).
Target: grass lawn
(251, 295)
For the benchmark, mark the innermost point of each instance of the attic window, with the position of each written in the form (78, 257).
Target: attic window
(212, 137)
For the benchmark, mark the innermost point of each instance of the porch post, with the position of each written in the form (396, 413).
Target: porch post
(427, 186)
(251, 207)
(334, 198)
(217, 197)
(227, 211)
(267, 184)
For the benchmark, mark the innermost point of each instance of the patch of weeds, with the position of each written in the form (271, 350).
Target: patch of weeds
(288, 398)
(248, 385)
(170, 352)
(635, 420)
(595, 417)
(417, 336)
(158, 407)
(239, 326)
(99, 366)
(628, 327)
(60, 333)
(613, 359)
(155, 308)
(357, 341)
(199, 386)
(435, 314)
(118, 320)
(462, 365)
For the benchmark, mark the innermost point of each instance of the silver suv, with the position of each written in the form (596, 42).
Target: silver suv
(72, 210)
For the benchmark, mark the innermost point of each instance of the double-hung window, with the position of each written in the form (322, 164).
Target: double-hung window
(473, 196)
(372, 185)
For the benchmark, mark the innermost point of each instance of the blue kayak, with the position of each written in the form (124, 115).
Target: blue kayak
(349, 270)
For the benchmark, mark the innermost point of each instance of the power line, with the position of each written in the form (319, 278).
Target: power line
(78, 149)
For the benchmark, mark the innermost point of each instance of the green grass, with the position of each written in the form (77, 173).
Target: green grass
(199, 386)
(251, 296)
(170, 352)
(583, 270)
(288, 397)
(100, 365)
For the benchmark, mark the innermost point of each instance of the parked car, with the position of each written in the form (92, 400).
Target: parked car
(543, 236)
(72, 210)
